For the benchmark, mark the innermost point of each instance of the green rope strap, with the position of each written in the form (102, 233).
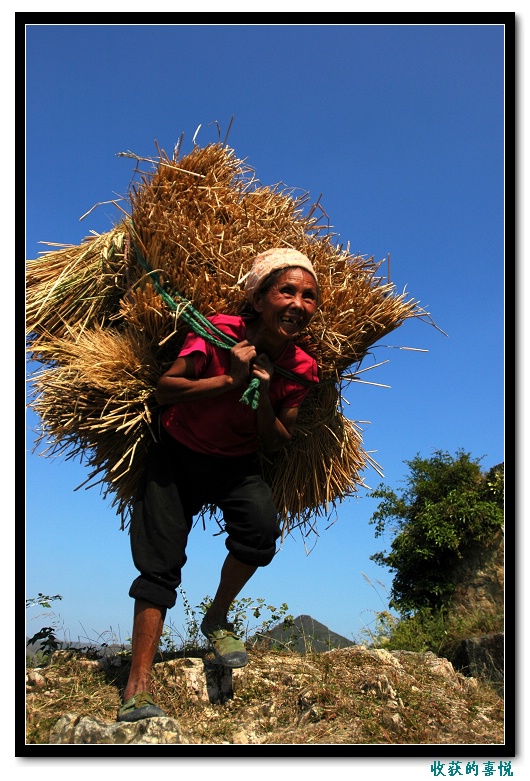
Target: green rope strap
(207, 330)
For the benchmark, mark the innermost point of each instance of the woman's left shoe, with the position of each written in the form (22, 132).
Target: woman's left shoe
(229, 650)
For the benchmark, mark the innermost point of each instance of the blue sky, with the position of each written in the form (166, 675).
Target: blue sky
(400, 128)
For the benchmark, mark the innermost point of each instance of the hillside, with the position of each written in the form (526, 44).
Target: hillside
(350, 696)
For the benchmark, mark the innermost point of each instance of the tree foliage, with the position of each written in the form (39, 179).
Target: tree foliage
(448, 507)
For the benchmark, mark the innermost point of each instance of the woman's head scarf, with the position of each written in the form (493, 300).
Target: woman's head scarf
(273, 260)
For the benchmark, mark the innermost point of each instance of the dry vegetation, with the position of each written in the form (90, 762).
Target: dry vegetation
(106, 318)
(349, 696)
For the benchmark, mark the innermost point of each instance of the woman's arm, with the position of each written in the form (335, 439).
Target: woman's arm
(179, 383)
(274, 430)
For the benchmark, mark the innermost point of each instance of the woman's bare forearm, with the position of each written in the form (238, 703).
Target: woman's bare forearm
(271, 431)
(176, 390)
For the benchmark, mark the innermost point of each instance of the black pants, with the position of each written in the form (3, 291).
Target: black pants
(177, 484)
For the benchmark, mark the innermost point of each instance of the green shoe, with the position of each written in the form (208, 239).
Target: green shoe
(140, 706)
(227, 647)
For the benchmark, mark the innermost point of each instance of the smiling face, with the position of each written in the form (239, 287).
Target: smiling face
(288, 304)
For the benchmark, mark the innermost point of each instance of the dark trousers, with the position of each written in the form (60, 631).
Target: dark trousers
(177, 484)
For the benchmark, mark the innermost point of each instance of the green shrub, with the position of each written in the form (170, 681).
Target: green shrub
(447, 508)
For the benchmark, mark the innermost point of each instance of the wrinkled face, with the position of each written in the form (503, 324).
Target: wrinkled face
(289, 304)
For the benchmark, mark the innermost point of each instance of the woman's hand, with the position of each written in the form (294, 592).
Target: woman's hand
(242, 356)
(263, 370)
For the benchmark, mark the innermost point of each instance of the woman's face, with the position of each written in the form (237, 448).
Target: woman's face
(289, 304)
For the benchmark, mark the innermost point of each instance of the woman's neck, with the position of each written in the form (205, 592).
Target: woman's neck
(264, 341)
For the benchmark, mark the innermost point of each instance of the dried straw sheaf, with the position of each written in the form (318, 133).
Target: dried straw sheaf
(101, 329)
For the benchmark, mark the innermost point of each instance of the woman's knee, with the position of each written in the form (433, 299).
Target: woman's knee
(251, 521)
(251, 555)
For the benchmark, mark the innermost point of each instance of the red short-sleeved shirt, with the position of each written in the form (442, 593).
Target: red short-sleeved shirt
(223, 425)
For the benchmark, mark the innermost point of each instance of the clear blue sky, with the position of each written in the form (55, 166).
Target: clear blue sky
(400, 128)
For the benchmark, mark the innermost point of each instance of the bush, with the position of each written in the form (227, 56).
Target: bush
(447, 509)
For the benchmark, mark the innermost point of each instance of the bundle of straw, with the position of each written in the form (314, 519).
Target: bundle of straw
(102, 333)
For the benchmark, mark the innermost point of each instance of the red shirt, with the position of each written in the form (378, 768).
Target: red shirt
(223, 425)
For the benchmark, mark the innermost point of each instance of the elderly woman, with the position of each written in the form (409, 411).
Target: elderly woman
(207, 454)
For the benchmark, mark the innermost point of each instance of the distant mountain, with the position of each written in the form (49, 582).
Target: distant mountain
(102, 650)
(303, 635)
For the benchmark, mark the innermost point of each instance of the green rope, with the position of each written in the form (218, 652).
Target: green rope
(207, 330)
(251, 395)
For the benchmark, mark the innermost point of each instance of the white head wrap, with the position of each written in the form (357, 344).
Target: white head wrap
(271, 260)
